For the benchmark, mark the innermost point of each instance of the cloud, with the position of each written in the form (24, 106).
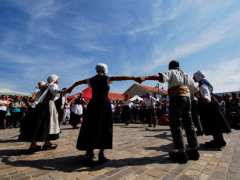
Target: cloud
(225, 76)
(215, 32)
(159, 15)
(16, 58)
(12, 92)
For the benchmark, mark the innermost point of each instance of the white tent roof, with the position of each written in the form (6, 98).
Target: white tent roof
(136, 97)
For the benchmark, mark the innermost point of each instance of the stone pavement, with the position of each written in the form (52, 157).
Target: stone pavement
(138, 154)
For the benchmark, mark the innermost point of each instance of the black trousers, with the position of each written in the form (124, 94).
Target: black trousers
(180, 115)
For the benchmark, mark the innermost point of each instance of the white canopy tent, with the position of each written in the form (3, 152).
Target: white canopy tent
(136, 98)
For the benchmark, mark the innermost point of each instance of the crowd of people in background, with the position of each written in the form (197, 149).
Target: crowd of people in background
(143, 111)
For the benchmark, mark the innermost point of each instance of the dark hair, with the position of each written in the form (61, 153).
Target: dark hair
(173, 65)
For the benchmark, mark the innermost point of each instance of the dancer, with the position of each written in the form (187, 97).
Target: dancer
(179, 86)
(29, 120)
(212, 119)
(46, 123)
(96, 130)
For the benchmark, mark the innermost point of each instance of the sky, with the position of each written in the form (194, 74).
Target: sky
(134, 37)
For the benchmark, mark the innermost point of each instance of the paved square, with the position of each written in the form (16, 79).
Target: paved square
(138, 153)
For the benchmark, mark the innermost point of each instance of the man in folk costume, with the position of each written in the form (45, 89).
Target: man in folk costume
(96, 131)
(47, 124)
(212, 119)
(179, 86)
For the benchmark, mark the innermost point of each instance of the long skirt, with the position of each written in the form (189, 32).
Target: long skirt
(28, 125)
(44, 124)
(212, 119)
(96, 130)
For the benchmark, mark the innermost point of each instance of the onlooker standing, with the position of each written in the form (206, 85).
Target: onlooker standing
(16, 111)
(3, 111)
(76, 111)
(149, 110)
(126, 111)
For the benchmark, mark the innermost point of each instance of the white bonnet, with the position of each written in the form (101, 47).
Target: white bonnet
(52, 78)
(198, 76)
(101, 67)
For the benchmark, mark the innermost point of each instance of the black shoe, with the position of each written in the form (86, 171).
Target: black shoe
(49, 146)
(193, 154)
(89, 156)
(102, 158)
(179, 157)
(215, 144)
(222, 143)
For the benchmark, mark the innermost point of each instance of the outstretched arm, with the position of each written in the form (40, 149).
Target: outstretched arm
(158, 77)
(69, 90)
(122, 78)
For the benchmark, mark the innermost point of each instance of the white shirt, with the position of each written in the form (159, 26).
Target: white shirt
(178, 78)
(113, 107)
(126, 103)
(149, 102)
(77, 109)
(3, 106)
(205, 93)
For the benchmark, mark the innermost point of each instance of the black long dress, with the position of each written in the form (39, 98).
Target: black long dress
(96, 130)
(37, 123)
(29, 123)
(42, 124)
(212, 119)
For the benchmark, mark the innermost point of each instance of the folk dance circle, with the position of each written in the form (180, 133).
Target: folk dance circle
(187, 102)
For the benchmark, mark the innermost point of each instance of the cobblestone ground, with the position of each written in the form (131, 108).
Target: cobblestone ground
(138, 154)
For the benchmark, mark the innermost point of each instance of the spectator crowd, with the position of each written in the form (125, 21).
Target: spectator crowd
(147, 109)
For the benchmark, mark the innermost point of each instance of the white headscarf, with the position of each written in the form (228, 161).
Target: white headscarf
(52, 78)
(198, 76)
(101, 67)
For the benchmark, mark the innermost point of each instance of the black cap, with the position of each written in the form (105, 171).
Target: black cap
(173, 65)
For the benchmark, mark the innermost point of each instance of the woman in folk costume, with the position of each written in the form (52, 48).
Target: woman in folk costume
(212, 119)
(179, 87)
(96, 130)
(29, 121)
(47, 124)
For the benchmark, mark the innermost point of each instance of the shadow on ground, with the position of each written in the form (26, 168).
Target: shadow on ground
(165, 135)
(75, 163)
